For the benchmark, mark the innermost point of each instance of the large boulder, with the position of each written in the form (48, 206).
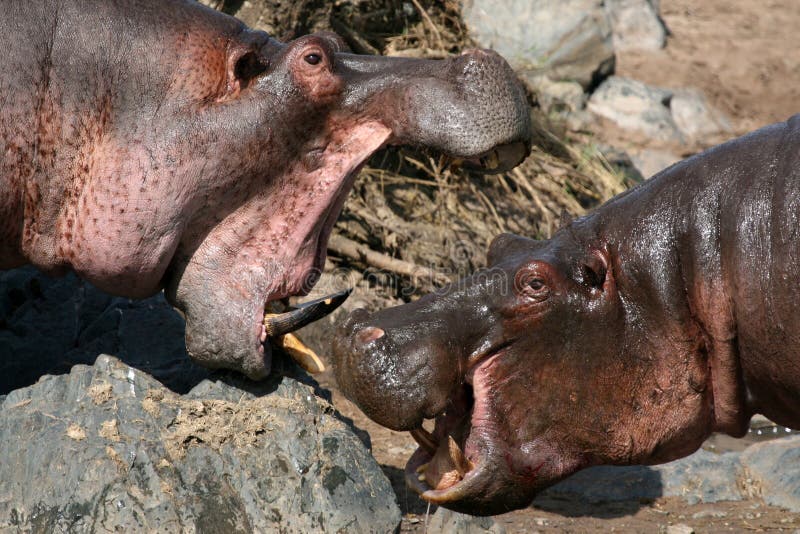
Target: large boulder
(565, 39)
(108, 448)
(154, 441)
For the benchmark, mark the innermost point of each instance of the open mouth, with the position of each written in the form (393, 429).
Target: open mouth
(281, 320)
(449, 460)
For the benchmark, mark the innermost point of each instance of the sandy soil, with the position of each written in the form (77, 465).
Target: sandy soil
(745, 56)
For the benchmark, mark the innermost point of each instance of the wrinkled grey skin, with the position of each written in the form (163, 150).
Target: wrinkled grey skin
(151, 144)
(670, 312)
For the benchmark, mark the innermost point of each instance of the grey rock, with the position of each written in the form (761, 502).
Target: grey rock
(680, 117)
(773, 471)
(680, 528)
(715, 514)
(695, 117)
(558, 96)
(650, 161)
(636, 25)
(767, 470)
(108, 448)
(445, 521)
(701, 477)
(579, 121)
(635, 106)
(565, 39)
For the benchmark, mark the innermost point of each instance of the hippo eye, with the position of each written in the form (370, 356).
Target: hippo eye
(532, 285)
(313, 59)
(537, 284)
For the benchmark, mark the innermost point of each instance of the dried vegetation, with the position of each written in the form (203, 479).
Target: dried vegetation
(411, 215)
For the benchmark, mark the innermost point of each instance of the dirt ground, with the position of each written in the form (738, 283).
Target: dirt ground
(744, 55)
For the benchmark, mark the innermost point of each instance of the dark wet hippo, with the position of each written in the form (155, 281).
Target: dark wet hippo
(150, 144)
(671, 312)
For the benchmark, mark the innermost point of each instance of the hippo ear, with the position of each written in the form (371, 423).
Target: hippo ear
(505, 245)
(595, 270)
(243, 65)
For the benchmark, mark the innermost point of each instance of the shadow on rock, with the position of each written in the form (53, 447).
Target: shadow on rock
(47, 325)
(603, 492)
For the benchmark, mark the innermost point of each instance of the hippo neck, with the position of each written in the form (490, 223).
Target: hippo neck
(694, 240)
(104, 132)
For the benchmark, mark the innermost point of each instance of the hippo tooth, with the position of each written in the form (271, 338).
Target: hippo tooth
(291, 319)
(304, 356)
(462, 464)
(491, 161)
(422, 468)
(425, 440)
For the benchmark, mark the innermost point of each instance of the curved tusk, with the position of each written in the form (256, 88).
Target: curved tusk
(278, 324)
(304, 356)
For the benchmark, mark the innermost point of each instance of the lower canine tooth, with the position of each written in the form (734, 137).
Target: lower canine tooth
(491, 161)
(422, 468)
(304, 356)
(461, 463)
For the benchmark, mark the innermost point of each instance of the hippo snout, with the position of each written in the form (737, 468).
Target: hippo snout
(394, 385)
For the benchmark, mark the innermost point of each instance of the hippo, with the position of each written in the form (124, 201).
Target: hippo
(152, 145)
(668, 313)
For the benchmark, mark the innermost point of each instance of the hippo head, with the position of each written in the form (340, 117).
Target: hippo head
(532, 368)
(215, 164)
(312, 115)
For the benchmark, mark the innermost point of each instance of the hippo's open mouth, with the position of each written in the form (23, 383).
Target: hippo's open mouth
(455, 457)
(280, 321)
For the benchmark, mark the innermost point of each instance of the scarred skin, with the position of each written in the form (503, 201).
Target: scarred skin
(149, 144)
(671, 312)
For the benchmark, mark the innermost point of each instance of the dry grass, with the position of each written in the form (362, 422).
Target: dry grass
(411, 205)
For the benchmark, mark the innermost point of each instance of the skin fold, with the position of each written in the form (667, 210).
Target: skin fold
(151, 144)
(670, 312)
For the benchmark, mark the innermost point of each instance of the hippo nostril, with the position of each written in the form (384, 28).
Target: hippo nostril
(368, 334)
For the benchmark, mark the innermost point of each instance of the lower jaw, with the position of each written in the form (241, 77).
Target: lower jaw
(332, 214)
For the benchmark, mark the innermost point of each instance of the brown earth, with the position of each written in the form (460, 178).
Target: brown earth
(744, 56)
